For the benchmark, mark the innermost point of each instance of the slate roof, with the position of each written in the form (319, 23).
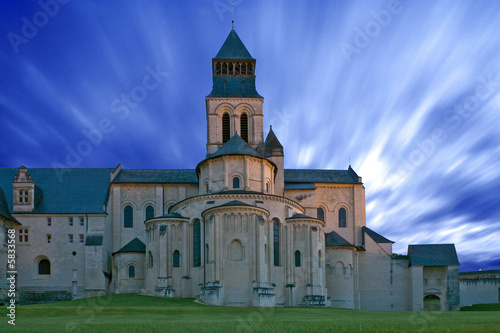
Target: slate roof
(135, 245)
(172, 215)
(320, 176)
(4, 208)
(433, 255)
(334, 239)
(300, 186)
(233, 86)
(233, 48)
(93, 240)
(300, 216)
(234, 203)
(236, 146)
(376, 237)
(65, 191)
(175, 176)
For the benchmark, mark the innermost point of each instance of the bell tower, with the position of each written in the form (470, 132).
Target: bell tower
(233, 106)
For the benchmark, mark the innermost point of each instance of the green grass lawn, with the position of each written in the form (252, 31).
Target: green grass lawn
(136, 313)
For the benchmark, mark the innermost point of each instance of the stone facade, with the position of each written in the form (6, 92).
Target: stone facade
(238, 230)
(481, 287)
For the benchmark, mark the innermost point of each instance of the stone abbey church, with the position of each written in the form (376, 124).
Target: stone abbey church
(237, 230)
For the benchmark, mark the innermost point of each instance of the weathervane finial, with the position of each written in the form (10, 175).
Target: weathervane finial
(232, 14)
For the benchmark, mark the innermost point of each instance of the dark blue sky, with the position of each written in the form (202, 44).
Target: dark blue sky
(408, 91)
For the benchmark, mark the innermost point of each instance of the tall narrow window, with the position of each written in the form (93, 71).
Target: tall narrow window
(321, 214)
(70, 221)
(49, 221)
(150, 265)
(44, 267)
(225, 128)
(297, 258)
(206, 253)
(196, 244)
(236, 182)
(342, 218)
(276, 241)
(128, 217)
(319, 258)
(131, 272)
(244, 127)
(150, 212)
(176, 259)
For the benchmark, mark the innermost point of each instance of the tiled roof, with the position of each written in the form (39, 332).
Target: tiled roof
(177, 176)
(135, 245)
(320, 176)
(433, 255)
(4, 208)
(234, 203)
(171, 215)
(65, 191)
(376, 237)
(300, 186)
(334, 239)
(236, 146)
(233, 48)
(234, 86)
(300, 216)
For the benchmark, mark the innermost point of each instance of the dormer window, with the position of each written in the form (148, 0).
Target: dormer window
(23, 197)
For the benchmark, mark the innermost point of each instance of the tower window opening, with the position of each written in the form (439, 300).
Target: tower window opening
(218, 68)
(243, 69)
(236, 69)
(225, 128)
(224, 69)
(250, 69)
(244, 127)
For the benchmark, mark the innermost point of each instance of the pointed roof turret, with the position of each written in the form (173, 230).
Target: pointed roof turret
(233, 48)
(272, 145)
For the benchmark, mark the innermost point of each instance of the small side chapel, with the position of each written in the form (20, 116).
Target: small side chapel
(237, 230)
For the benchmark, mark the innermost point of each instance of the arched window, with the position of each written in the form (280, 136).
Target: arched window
(319, 258)
(176, 259)
(150, 212)
(224, 68)
(321, 214)
(150, 260)
(217, 68)
(44, 267)
(243, 69)
(236, 182)
(267, 187)
(342, 218)
(244, 127)
(236, 251)
(276, 241)
(226, 134)
(206, 187)
(196, 243)
(131, 272)
(297, 258)
(128, 217)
